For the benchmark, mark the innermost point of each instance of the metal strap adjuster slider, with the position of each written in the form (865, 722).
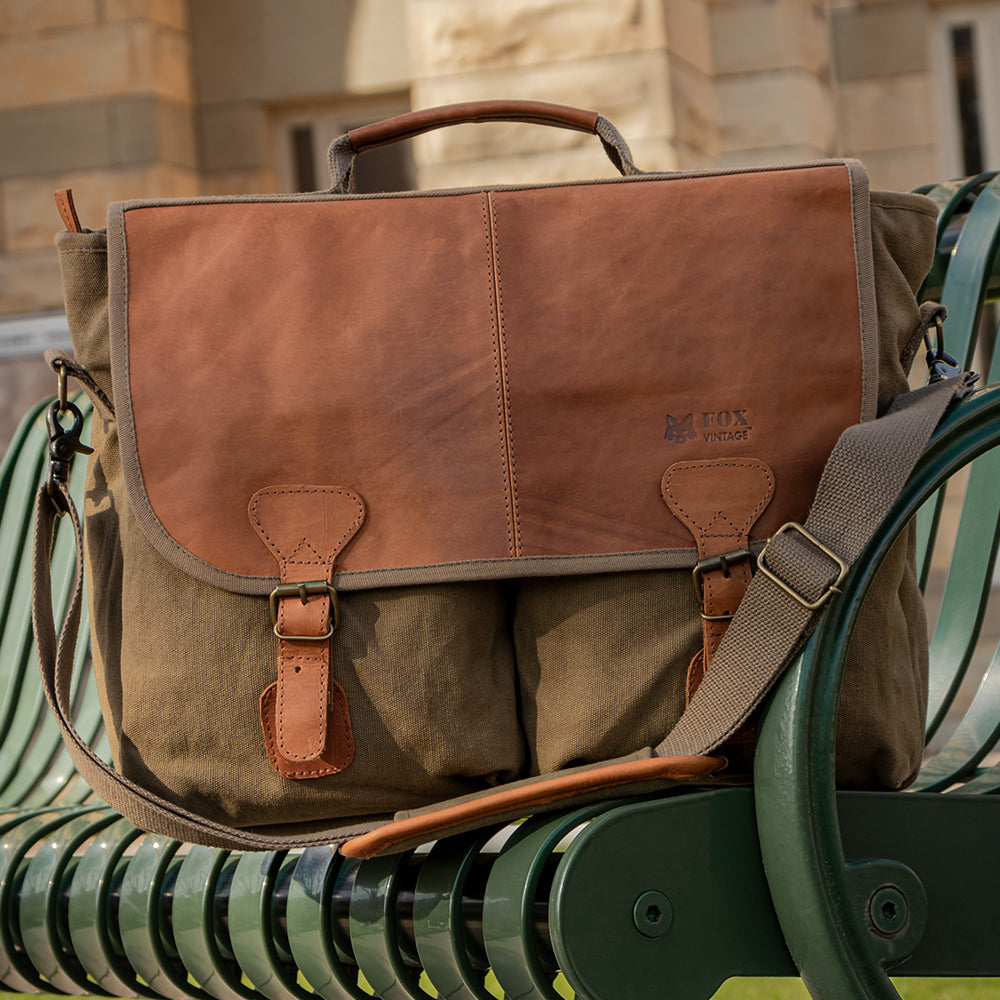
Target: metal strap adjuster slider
(305, 590)
(831, 589)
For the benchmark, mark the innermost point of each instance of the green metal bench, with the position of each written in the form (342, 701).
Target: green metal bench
(619, 901)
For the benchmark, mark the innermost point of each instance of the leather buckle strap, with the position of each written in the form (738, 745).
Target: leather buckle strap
(305, 590)
(716, 564)
(831, 589)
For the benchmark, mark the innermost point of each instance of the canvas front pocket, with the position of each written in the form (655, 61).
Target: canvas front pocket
(602, 662)
(427, 674)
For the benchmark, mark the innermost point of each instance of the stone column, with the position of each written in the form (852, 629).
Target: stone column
(772, 66)
(643, 64)
(94, 95)
(886, 92)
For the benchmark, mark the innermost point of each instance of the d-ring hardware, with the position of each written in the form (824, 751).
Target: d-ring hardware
(305, 590)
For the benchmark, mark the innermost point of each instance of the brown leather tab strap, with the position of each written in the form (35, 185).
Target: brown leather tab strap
(67, 210)
(305, 528)
(416, 122)
(719, 501)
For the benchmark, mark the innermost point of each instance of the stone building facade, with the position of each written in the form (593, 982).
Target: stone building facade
(125, 98)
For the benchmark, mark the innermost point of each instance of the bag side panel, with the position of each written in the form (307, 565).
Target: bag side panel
(883, 697)
(903, 241)
(83, 265)
(883, 701)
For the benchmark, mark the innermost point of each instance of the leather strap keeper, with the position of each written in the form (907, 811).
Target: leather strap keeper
(305, 528)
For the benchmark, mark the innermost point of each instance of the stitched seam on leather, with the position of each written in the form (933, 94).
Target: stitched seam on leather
(511, 460)
(304, 543)
(739, 534)
(758, 510)
(498, 375)
(274, 756)
(316, 725)
(355, 524)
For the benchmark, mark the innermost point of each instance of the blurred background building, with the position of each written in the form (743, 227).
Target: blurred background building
(129, 98)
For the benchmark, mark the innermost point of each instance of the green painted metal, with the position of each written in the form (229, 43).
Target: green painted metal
(965, 285)
(254, 928)
(20, 834)
(320, 944)
(973, 279)
(952, 199)
(379, 885)
(144, 922)
(51, 768)
(509, 903)
(966, 593)
(46, 876)
(918, 831)
(92, 916)
(15, 640)
(700, 852)
(26, 722)
(455, 962)
(199, 932)
(815, 890)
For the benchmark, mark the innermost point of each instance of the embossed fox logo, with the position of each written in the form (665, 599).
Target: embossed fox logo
(680, 430)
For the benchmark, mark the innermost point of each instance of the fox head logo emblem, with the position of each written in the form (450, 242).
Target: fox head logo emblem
(680, 430)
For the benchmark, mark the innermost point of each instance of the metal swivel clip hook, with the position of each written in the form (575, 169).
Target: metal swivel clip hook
(940, 364)
(64, 442)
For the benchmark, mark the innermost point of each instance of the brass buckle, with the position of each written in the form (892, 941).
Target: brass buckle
(310, 588)
(832, 556)
(712, 565)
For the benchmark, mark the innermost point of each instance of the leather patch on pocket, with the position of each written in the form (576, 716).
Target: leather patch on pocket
(339, 750)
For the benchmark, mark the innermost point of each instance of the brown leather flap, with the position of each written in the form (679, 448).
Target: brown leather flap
(502, 375)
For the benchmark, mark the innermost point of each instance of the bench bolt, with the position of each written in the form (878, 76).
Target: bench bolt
(652, 914)
(888, 911)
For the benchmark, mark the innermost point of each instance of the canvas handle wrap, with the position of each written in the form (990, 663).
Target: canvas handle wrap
(865, 473)
(343, 150)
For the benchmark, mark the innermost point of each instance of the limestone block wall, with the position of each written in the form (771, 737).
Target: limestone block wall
(257, 61)
(772, 76)
(887, 95)
(643, 64)
(94, 95)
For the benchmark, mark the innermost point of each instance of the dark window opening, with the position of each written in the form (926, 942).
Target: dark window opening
(967, 91)
(303, 161)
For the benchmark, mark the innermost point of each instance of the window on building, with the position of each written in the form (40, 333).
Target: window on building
(967, 97)
(303, 135)
(969, 59)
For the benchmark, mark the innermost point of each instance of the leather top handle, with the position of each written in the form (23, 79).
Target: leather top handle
(343, 150)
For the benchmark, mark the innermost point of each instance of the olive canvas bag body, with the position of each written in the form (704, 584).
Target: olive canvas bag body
(408, 512)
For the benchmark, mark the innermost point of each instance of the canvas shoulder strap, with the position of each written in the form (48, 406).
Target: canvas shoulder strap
(801, 566)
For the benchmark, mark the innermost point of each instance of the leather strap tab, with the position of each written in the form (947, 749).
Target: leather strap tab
(305, 528)
(338, 751)
(718, 501)
(67, 210)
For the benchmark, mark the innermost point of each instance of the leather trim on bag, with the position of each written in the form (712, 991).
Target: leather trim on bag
(306, 528)
(527, 796)
(338, 750)
(557, 534)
